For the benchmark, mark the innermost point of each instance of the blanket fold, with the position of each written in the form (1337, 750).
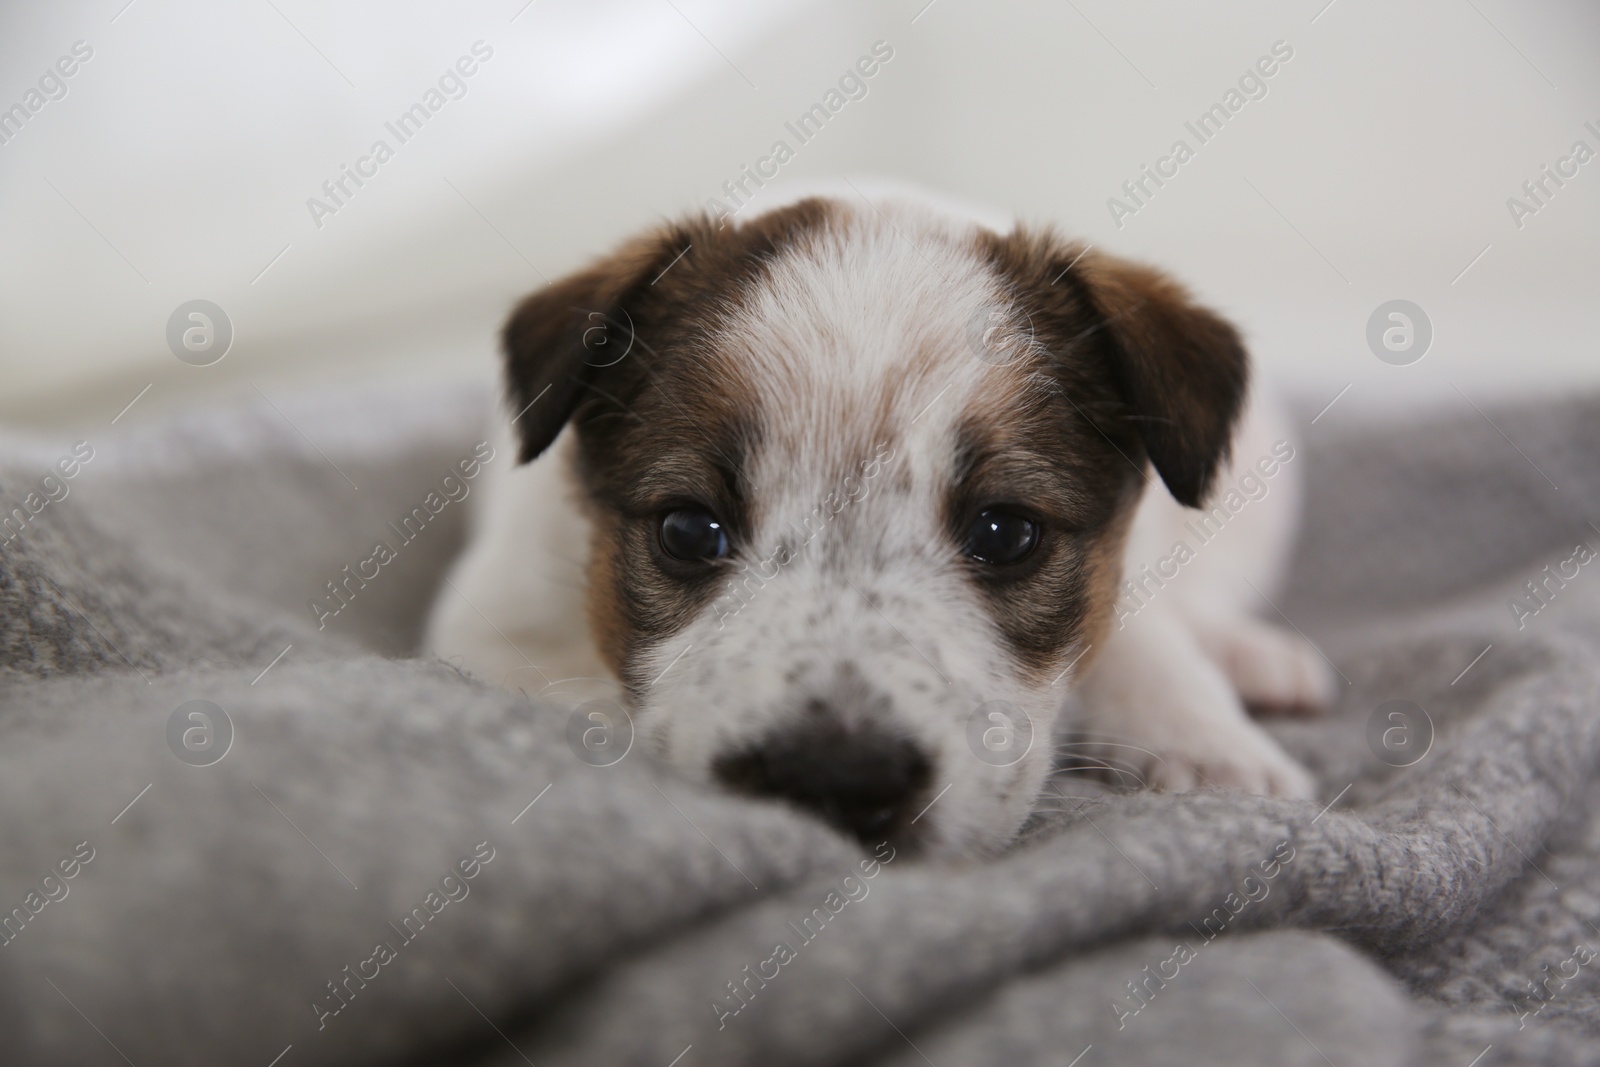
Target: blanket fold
(354, 857)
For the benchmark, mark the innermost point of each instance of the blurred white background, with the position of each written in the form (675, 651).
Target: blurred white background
(179, 161)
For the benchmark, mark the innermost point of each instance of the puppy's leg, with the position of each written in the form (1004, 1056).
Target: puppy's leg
(1154, 685)
(512, 611)
(1273, 670)
(1239, 564)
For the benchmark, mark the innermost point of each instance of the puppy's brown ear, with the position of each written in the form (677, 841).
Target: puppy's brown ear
(564, 343)
(1182, 370)
(562, 338)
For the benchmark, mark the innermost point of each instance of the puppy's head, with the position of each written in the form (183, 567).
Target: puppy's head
(859, 479)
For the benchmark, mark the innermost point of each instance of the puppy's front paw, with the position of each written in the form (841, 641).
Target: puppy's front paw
(1241, 757)
(1273, 670)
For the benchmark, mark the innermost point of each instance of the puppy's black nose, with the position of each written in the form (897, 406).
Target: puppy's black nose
(863, 781)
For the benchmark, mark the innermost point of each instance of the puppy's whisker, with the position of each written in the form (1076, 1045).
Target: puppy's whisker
(1077, 762)
(1106, 749)
(1123, 774)
(1109, 744)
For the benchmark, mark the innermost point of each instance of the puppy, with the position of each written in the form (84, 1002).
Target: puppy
(854, 492)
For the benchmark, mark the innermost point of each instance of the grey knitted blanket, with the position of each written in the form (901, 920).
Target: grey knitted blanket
(242, 828)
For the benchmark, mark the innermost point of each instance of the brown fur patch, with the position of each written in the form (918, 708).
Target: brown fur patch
(1047, 465)
(1179, 371)
(626, 351)
(1120, 366)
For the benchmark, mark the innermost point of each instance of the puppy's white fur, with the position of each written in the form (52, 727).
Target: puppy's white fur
(873, 594)
(1175, 676)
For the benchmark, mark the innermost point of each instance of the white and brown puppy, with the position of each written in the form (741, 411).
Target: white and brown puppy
(840, 480)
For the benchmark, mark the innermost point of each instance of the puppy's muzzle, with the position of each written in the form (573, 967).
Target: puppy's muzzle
(864, 780)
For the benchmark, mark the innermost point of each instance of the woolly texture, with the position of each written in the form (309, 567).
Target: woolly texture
(308, 895)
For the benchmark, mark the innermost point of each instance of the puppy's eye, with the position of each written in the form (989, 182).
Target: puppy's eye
(998, 536)
(693, 535)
